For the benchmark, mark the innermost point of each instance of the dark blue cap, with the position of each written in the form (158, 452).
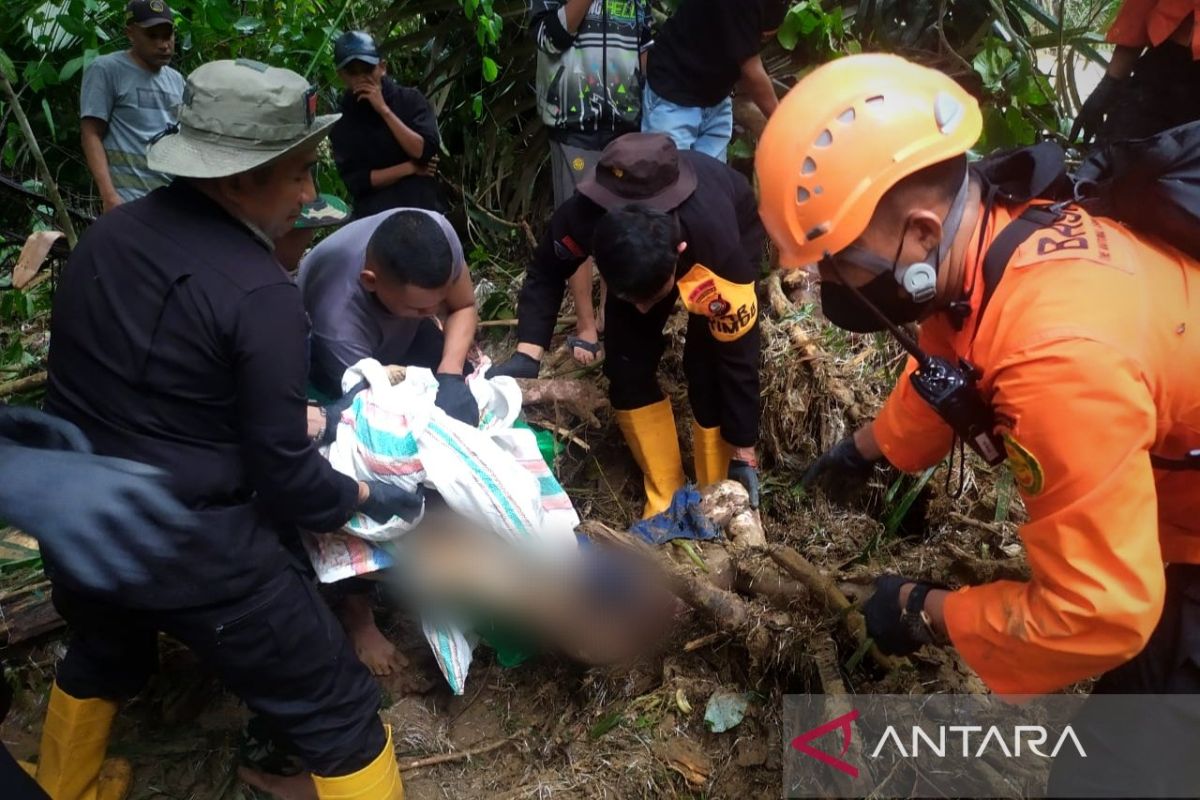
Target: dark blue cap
(355, 46)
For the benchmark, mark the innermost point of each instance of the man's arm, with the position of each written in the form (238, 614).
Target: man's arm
(460, 323)
(95, 108)
(419, 136)
(1085, 422)
(1120, 66)
(389, 175)
(563, 248)
(349, 158)
(554, 24)
(757, 84)
(409, 140)
(291, 480)
(907, 431)
(91, 138)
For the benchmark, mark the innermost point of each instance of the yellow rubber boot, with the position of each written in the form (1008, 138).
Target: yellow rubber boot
(711, 455)
(379, 780)
(71, 764)
(650, 433)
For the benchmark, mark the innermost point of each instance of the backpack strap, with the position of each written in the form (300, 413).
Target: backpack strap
(1005, 245)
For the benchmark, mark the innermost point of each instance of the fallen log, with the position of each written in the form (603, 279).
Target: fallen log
(827, 593)
(27, 384)
(756, 574)
(26, 613)
(581, 398)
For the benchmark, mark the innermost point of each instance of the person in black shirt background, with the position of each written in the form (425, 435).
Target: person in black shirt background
(706, 49)
(386, 143)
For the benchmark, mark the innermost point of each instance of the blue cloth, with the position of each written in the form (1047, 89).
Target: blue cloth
(681, 520)
(707, 130)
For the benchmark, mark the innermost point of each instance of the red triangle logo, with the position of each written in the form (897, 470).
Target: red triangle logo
(842, 723)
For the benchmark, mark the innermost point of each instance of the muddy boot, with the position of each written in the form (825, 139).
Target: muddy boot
(71, 765)
(710, 454)
(650, 433)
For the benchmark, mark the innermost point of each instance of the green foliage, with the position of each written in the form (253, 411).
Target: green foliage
(807, 20)
(1021, 104)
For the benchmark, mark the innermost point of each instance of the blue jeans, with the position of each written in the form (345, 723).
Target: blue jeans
(693, 128)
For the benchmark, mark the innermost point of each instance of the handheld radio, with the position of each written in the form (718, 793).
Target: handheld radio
(951, 390)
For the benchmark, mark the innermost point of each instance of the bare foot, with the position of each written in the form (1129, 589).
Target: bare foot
(373, 648)
(296, 787)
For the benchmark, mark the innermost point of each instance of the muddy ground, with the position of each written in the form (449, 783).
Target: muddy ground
(550, 728)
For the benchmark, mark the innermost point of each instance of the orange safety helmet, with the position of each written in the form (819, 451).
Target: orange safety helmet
(844, 136)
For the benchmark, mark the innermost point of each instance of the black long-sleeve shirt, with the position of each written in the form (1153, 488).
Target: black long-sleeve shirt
(177, 340)
(362, 142)
(724, 234)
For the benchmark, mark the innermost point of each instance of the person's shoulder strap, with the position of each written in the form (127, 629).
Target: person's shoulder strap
(1006, 243)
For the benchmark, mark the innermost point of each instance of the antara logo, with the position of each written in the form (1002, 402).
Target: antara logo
(1032, 736)
(939, 741)
(842, 723)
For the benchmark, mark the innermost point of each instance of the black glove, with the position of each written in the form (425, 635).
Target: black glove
(107, 525)
(746, 474)
(32, 428)
(519, 366)
(333, 412)
(897, 631)
(455, 398)
(385, 501)
(1098, 104)
(839, 470)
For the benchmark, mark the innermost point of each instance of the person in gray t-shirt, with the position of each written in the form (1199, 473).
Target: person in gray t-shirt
(127, 99)
(372, 290)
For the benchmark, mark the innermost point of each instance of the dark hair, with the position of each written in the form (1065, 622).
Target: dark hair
(410, 248)
(774, 12)
(943, 178)
(635, 249)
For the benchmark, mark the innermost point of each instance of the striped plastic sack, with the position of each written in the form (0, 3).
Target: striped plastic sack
(493, 475)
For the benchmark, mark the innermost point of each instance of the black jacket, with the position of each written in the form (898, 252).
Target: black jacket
(177, 340)
(362, 142)
(724, 234)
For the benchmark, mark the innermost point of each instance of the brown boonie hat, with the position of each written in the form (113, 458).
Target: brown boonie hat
(641, 168)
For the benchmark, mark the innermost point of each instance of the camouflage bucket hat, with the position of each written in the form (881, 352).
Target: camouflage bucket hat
(326, 211)
(237, 116)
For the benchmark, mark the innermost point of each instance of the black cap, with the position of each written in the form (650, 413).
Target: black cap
(148, 13)
(355, 46)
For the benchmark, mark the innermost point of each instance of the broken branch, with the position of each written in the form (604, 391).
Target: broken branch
(445, 758)
(825, 590)
(30, 382)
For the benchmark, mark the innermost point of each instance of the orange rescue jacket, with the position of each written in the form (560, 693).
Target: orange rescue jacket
(1090, 352)
(1149, 23)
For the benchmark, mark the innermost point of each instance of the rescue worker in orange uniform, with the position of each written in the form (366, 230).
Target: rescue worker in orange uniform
(1152, 81)
(1089, 353)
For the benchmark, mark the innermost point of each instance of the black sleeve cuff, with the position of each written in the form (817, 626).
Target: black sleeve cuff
(557, 32)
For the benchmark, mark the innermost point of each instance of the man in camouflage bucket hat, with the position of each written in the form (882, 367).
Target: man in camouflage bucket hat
(180, 343)
(327, 211)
